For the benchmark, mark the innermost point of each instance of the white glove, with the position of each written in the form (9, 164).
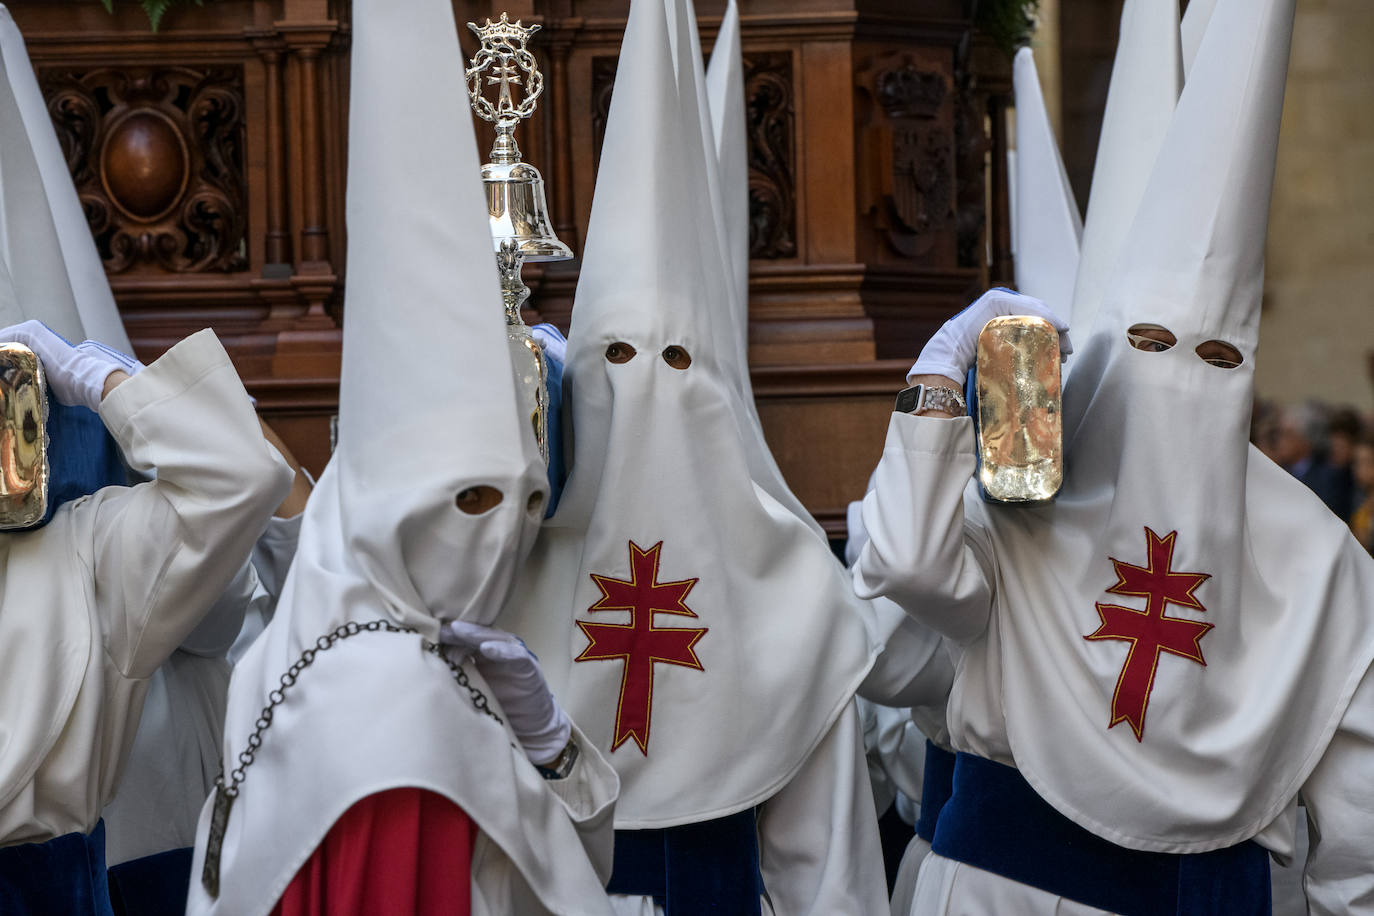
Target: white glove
(953, 348)
(552, 340)
(77, 377)
(118, 360)
(512, 672)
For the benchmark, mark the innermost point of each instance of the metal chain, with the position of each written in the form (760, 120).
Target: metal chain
(288, 680)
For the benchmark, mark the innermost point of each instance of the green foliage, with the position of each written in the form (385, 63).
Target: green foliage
(154, 8)
(1010, 23)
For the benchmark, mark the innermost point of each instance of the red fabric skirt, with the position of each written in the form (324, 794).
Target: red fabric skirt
(404, 852)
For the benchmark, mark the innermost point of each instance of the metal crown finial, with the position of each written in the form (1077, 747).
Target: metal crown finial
(505, 62)
(516, 209)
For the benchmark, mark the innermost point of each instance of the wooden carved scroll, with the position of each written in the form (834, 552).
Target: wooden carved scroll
(157, 157)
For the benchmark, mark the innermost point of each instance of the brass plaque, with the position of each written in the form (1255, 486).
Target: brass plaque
(23, 438)
(1020, 420)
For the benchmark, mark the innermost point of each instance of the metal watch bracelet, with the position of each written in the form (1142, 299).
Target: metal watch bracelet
(931, 397)
(562, 765)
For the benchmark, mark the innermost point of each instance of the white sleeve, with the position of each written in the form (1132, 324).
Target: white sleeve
(870, 723)
(914, 668)
(901, 748)
(819, 851)
(1339, 794)
(217, 630)
(588, 794)
(163, 551)
(922, 553)
(274, 551)
(271, 561)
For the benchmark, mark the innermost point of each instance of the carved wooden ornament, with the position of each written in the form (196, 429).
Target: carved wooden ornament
(157, 157)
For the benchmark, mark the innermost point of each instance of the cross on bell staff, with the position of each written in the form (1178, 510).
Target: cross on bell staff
(517, 208)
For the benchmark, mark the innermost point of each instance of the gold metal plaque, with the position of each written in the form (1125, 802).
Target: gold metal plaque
(23, 438)
(1020, 421)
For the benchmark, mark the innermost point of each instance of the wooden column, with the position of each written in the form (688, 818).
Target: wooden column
(314, 235)
(278, 236)
(314, 274)
(1001, 271)
(560, 176)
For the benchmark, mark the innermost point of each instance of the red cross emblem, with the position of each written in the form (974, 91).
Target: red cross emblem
(640, 644)
(1150, 631)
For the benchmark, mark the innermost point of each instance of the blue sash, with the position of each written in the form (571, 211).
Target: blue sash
(691, 869)
(937, 785)
(558, 471)
(82, 455)
(62, 877)
(995, 821)
(154, 885)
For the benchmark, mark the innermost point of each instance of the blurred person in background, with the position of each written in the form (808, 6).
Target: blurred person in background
(1362, 468)
(1301, 449)
(1264, 427)
(1343, 430)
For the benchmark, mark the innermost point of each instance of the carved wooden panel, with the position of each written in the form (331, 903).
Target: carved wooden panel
(157, 157)
(771, 123)
(972, 144)
(871, 216)
(910, 167)
(603, 81)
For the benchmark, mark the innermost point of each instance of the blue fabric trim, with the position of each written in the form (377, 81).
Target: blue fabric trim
(971, 398)
(62, 876)
(707, 867)
(558, 473)
(937, 785)
(995, 821)
(154, 885)
(82, 455)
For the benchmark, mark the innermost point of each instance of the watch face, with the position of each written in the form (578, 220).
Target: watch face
(908, 399)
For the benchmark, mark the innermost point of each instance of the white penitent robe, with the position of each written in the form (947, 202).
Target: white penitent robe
(272, 556)
(819, 850)
(377, 712)
(97, 599)
(818, 838)
(1317, 721)
(914, 671)
(175, 756)
(895, 750)
(903, 897)
(529, 856)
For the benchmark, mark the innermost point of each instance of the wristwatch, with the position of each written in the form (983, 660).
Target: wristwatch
(931, 397)
(562, 765)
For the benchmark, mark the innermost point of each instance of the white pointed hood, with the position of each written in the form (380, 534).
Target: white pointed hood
(28, 237)
(44, 237)
(723, 90)
(1048, 227)
(1171, 530)
(427, 410)
(427, 402)
(1195, 20)
(683, 615)
(1146, 78)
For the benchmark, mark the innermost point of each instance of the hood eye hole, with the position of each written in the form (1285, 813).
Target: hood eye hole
(620, 352)
(1220, 354)
(677, 357)
(1151, 338)
(478, 499)
(535, 502)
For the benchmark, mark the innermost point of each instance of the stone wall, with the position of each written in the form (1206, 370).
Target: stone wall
(1318, 326)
